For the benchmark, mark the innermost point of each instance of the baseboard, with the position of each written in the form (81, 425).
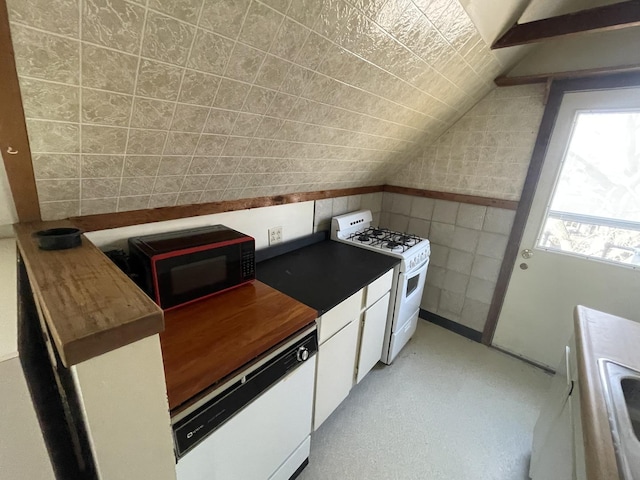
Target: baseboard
(297, 473)
(466, 332)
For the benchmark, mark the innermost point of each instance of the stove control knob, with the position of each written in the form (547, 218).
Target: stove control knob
(302, 354)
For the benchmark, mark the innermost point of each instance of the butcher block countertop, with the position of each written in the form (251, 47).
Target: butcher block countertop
(90, 306)
(600, 335)
(208, 340)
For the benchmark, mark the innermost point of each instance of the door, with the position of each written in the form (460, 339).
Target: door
(409, 294)
(581, 242)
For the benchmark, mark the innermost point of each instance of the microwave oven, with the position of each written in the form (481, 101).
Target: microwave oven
(180, 267)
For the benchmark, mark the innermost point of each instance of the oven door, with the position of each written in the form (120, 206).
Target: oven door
(184, 276)
(409, 294)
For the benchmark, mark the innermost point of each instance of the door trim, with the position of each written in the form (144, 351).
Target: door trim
(14, 141)
(556, 94)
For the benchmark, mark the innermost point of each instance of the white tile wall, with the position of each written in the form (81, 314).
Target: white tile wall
(467, 247)
(331, 207)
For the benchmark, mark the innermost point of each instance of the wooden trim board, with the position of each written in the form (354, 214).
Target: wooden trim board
(13, 130)
(599, 19)
(454, 197)
(91, 307)
(124, 219)
(506, 81)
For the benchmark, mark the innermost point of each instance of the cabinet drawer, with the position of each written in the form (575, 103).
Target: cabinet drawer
(378, 288)
(339, 316)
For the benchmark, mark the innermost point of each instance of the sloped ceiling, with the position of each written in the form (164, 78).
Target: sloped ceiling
(145, 103)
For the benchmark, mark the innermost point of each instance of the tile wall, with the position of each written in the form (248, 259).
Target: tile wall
(467, 247)
(486, 152)
(328, 208)
(135, 104)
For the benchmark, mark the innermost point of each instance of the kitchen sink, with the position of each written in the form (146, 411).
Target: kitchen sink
(631, 390)
(622, 395)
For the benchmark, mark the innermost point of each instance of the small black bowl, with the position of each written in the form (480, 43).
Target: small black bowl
(58, 238)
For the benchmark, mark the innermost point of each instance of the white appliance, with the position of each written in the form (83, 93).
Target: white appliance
(257, 425)
(406, 291)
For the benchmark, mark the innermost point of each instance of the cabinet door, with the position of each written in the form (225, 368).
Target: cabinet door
(552, 452)
(334, 377)
(580, 468)
(556, 456)
(373, 327)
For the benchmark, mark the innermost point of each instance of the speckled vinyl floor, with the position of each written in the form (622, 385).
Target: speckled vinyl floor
(447, 408)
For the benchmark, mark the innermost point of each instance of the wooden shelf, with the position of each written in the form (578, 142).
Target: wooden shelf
(90, 306)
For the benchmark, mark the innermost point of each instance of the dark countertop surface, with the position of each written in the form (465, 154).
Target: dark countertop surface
(324, 274)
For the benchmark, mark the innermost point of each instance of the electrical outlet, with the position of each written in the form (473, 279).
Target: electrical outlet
(275, 235)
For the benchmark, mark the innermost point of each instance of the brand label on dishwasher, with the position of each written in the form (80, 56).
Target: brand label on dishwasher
(190, 434)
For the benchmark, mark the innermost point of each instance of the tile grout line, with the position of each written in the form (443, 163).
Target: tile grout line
(291, 64)
(107, 125)
(284, 16)
(244, 18)
(135, 86)
(266, 52)
(304, 89)
(175, 106)
(337, 107)
(80, 128)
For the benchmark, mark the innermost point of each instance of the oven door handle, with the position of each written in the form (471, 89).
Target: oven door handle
(415, 269)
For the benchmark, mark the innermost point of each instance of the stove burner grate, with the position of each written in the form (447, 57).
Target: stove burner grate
(385, 239)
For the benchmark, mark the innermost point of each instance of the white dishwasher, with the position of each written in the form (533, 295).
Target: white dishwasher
(257, 425)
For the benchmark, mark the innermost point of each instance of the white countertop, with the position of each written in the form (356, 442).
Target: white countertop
(8, 300)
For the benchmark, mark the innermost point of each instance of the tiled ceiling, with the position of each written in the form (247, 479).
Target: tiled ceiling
(147, 103)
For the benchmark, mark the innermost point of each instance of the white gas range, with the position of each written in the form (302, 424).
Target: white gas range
(406, 292)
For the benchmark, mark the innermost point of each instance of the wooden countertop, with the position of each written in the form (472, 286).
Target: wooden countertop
(91, 307)
(206, 341)
(601, 335)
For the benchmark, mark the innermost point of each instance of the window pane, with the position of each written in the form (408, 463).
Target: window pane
(595, 209)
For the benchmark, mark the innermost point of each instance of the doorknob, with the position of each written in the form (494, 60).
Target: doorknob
(527, 253)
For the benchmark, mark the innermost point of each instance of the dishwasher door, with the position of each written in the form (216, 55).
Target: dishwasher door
(257, 441)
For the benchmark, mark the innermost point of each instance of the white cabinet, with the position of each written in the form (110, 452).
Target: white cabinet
(579, 465)
(335, 319)
(350, 338)
(253, 443)
(334, 376)
(374, 323)
(558, 444)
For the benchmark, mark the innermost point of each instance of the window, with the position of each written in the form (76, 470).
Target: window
(595, 208)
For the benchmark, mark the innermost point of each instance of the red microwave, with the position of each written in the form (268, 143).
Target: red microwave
(180, 267)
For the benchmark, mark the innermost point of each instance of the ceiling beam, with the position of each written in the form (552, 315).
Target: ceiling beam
(506, 81)
(599, 19)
